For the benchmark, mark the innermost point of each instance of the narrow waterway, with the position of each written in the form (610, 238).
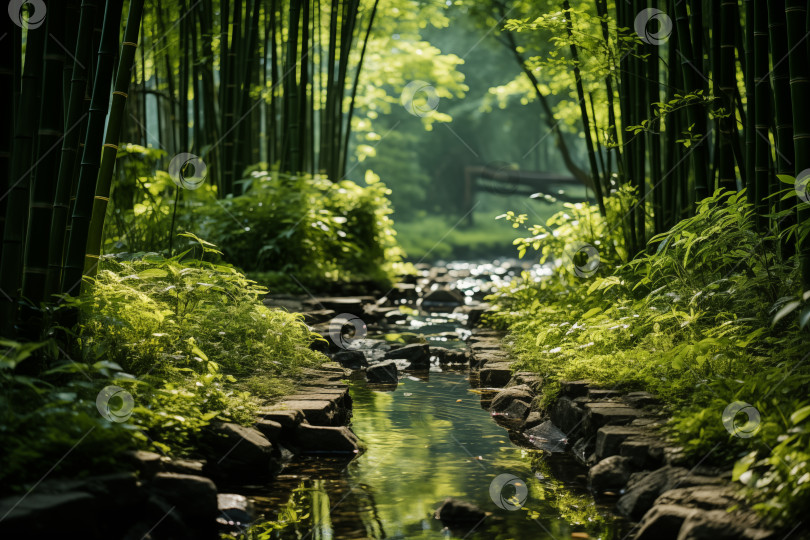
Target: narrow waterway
(426, 440)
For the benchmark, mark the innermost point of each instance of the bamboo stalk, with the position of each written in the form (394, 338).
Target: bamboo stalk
(91, 155)
(110, 151)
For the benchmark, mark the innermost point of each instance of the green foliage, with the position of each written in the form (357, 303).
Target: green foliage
(708, 317)
(319, 232)
(196, 336)
(307, 228)
(48, 418)
(188, 338)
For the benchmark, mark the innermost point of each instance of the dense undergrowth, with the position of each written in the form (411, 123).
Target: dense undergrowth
(187, 337)
(283, 230)
(708, 317)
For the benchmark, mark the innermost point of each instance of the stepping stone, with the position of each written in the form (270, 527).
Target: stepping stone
(270, 429)
(495, 375)
(339, 304)
(384, 373)
(417, 354)
(238, 451)
(319, 316)
(479, 359)
(318, 412)
(610, 438)
(644, 452)
(326, 440)
(568, 415)
(602, 393)
(608, 413)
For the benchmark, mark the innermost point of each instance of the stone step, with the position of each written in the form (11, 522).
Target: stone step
(610, 438)
(495, 375)
(601, 413)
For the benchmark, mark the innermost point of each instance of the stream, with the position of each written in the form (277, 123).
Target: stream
(426, 440)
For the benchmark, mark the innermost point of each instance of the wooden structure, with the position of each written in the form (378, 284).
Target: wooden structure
(506, 181)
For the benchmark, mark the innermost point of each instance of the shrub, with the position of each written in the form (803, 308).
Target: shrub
(701, 320)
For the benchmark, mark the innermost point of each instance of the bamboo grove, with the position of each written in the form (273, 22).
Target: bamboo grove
(232, 82)
(676, 99)
(691, 96)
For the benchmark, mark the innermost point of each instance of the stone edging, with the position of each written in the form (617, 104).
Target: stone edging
(616, 436)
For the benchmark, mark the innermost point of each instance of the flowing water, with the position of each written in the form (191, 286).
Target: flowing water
(427, 440)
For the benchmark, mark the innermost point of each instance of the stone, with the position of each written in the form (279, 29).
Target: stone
(495, 375)
(237, 451)
(418, 354)
(583, 450)
(488, 344)
(600, 414)
(185, 466)
(663, 522)
(289, 419)
(574, 389)
(34, 515)
(326, 440)
(479, 359)
(340, 304)
(610, 438)
(546, 436)
(450, 356)
(568, 415)
(506, 396)
(147, 463)
(331, 392)
(194, 497)
(512, 416)
(454, 512)
(443, 297)
(645, 487)
(711, 497)
(474, 314)
(720, 525)
(236, 512)
(641, 399)
(535, 418)
(319, 316)
(602, 393)
(529, 378)
(609, 474)
(645, 452)
(383, 373)
(319, 412)
(351, 359)
(270, 429)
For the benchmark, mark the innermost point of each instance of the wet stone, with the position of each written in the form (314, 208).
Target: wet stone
(643, 452)
(326, 440)
(318, 412)
(383, 373)
(574, 388)
(351, 359)
(495, 375)
(609, 474)
(605, 413)
(454, 512)
(610, 438)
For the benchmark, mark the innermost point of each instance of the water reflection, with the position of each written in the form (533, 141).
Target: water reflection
(426, 441)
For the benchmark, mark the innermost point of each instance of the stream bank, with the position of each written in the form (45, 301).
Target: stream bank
(418, 428)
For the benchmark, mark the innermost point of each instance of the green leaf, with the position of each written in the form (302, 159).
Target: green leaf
(786, 179)
(591, 312)
(800, 414)
(153, 273)
(742, 465)
(789, 308)
(804, 318)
